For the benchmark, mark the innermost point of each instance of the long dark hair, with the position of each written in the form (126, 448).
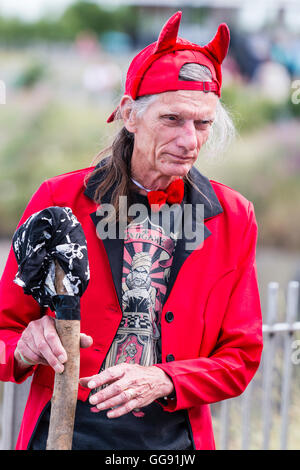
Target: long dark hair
(115, 170)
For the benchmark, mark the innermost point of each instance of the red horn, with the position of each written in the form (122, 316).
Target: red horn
(218, 47)
(168, 35)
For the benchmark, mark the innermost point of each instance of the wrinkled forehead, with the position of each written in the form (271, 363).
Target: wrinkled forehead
(186, 103)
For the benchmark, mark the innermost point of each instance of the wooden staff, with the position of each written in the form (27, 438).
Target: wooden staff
(64, 399)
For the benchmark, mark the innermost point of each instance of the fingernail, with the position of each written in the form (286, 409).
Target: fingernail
(59, 368)
(93, 399)
(92, 384)
(94, 409)
(62, 358)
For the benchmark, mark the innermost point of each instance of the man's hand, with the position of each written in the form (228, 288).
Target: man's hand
(127, 387)
(40, 344)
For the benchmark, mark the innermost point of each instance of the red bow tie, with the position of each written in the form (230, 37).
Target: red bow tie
(173, 195)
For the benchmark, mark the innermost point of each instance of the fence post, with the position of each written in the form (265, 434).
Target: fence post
(225, 424)
(291, 316)
(268, 362)
(272, 330)
(14, 400)
(246, 417)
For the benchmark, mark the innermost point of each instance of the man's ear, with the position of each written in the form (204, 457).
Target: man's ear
(127, 113)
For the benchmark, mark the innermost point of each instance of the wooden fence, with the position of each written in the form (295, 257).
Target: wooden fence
(250, 418)
(244, 422)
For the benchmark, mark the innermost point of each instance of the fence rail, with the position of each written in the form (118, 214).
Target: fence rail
(272, 329)
(223, 413)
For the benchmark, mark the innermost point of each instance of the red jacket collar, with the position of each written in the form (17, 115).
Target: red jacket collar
(114, 247)
(206, 196)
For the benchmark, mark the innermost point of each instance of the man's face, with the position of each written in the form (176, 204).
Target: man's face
(139, 277)
(170, 133)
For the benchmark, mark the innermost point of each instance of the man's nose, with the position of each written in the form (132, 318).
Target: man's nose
(187, 138)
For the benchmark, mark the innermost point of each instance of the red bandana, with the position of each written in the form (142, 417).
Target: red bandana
(173, 195)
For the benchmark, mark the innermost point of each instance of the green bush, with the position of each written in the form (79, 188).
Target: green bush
(30, 76)
(249, 108)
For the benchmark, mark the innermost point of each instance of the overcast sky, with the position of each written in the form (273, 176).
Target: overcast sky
(253, 12)
(32, 9)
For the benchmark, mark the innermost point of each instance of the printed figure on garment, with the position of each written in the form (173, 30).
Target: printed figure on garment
(147, 259)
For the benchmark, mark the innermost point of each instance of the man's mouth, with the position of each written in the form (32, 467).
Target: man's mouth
(183, 158)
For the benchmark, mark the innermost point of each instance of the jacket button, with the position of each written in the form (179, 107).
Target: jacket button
(169, 317)
(170, 358)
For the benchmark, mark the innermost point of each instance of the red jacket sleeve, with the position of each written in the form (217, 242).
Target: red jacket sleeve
(236, 356)
(16, 308)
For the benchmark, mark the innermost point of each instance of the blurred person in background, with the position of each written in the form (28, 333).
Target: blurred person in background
(167, 329)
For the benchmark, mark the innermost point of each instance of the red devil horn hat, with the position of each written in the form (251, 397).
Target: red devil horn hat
(168, 35)
(156, 68)
(218, 47)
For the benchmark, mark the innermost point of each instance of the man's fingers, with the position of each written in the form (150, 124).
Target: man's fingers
(54, 343)
(124, 409)
(114, 394)
(106, 377)
(46, 352)
(45, 342)
(85, 340)
(40, 344)
(120, 399)
(127, 388)
(25, 353)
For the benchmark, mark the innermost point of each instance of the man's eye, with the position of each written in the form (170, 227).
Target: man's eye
(203, 124)
(170, 117)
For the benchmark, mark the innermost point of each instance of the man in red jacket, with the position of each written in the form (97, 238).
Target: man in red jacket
(171, 319)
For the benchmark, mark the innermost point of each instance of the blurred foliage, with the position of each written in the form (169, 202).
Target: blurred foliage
(264, 166)
(78, 17)
(197, 15)
(42, 142)
(31, 75)
(83, 16)
(52, 125)
(264, 162)
(293, 109)
(250, 109)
